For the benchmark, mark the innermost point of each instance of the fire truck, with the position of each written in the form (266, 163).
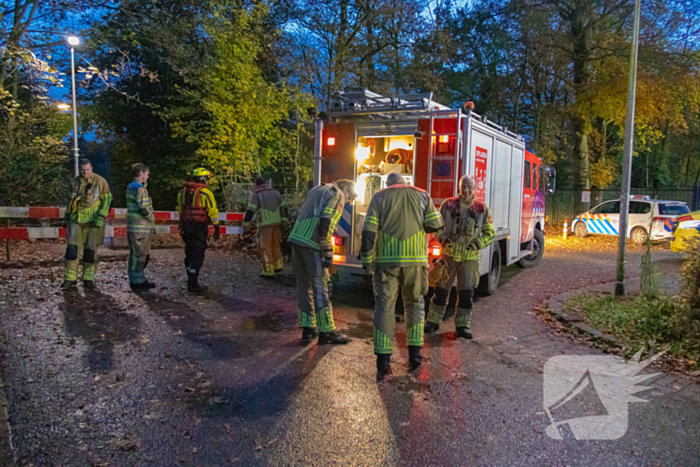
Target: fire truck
(364, 137)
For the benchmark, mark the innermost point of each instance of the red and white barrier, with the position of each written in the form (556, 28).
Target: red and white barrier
(120, 213)
(30, 233)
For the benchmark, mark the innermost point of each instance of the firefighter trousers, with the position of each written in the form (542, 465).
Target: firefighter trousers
(195, 238)
(413, 281)
(86, 238)
(270, 247)
(467, 274)
(139, 254)
(314, 304)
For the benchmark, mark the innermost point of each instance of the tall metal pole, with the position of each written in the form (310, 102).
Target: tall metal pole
(75, 114)
(318, 145)
(627, 164)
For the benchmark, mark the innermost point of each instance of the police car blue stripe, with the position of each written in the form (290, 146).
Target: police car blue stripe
(612, 227)
(602, 226)
(591, 226)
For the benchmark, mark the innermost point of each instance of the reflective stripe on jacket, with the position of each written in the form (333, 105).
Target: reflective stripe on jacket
(91, 200)
(466, 221)
(196, 205)
(140, 218)
(400, 215)
(265, 203)
(324, 201)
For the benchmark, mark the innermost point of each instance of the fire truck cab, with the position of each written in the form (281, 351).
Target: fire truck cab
(365, 136)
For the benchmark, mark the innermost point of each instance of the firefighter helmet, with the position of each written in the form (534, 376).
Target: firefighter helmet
(201, 172)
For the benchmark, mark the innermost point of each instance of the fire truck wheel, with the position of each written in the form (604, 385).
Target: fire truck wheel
(489, 282)
(581, 230)
(533, 259)
(639, 235)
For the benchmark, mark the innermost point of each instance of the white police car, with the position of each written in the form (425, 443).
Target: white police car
(644, 213)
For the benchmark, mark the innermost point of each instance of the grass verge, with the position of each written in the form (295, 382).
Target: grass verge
(637, 321)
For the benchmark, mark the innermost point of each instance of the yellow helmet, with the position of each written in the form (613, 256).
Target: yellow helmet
(201, 172)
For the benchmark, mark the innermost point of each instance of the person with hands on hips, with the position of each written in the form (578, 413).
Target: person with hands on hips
(468, 229)
(312, 255)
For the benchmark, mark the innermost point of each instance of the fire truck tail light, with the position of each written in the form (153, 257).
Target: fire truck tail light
(444, 139)
(337, 241)
(436, 251)
(331, 141)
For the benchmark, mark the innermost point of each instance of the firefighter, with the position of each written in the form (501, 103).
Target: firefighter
(266, 205)
(468, 229)
(312, 255)
(85, 230)
(139, 227)
(196, 207)
(397, 220)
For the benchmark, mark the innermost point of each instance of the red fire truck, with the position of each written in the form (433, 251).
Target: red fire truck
(365, 136)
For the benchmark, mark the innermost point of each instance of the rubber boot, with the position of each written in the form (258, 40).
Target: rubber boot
(332, 338)
(463, 332)
(89, 284)
(309, 334)
(193, 285)
(383, 363)
(414, 358)
(69, 285)
(431, 327)
(142, 286)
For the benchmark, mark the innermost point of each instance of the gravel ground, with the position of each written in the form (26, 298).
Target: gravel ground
(107, 377)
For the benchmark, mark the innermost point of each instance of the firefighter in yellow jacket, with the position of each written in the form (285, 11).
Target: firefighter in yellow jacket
(266, 206)
(85, 229)
(468, 229)
(196, 207)
(394, 242)
(312, 255)
(140, 220)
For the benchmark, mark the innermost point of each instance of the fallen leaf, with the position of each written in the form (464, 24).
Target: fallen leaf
(228, 428)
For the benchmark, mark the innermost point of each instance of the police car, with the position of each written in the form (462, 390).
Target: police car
(644, 213)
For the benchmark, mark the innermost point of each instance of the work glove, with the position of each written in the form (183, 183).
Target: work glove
(474, 245)
(99, 222)
(327, 258)
(217, 232)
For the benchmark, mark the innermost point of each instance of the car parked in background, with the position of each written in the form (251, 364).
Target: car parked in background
(686, 228)
(644, 214)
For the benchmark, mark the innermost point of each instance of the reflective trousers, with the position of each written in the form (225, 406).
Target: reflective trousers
(413, 281)
(313, 302)
(270, 247)
(139, 254)
(195, 238)
(467, 274)
(85, 238)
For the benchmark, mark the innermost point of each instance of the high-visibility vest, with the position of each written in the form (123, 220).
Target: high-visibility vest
(193, 210)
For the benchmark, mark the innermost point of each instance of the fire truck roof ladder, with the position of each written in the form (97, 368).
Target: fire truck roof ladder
(454, 158)
(367, 103)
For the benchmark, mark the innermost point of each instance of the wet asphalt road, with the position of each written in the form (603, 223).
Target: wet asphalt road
(111, 378)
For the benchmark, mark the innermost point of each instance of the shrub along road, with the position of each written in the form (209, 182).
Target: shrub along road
(112, 378)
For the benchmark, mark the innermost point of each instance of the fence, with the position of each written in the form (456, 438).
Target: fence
(566, 204)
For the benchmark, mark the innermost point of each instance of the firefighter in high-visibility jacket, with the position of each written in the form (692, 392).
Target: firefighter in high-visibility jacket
(196, 207)
(140, 221)
(266, 206)
(394, 243)
(468, 229)
(312, 255)
(85, 229)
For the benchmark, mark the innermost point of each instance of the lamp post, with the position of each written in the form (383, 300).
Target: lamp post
(74, 41)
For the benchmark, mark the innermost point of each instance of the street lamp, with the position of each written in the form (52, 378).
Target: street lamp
(74, 41)
(62, 106)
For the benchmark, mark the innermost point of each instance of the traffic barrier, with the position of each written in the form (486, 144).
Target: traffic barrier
(111, 231)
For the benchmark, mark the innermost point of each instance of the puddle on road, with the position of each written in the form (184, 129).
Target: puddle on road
(408, 384)
(359, 330)
(271, 321)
